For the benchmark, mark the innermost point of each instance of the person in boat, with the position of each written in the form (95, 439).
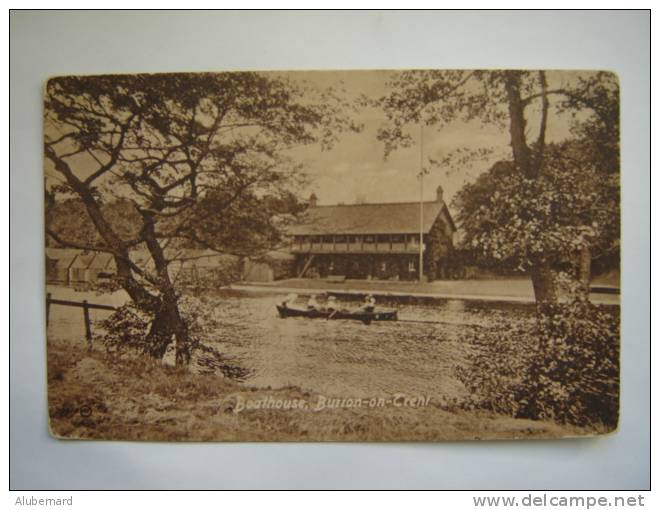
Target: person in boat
(331, 304)
(312, 304)
(289, 300)
(369, 303)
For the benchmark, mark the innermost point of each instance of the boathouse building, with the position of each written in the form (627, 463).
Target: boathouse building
(374, 241)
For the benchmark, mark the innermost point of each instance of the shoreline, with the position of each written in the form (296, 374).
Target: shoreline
(338, 290)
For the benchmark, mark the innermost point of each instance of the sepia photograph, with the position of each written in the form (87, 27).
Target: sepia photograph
(378, 255)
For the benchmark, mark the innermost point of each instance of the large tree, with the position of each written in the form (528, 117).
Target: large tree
(535, 185)
(196, 159)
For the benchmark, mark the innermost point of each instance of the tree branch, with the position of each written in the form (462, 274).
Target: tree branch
(114, 153)
(532, 97)
(540, 141)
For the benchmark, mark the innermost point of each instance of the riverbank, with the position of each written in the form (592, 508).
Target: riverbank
(95, 396)
(514, 290)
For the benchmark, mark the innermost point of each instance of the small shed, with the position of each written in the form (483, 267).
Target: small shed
(78, 270)
(102, 266)
(274, 265)
(58, 264)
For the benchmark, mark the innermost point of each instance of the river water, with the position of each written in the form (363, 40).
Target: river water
(348, 358)
(335, 358)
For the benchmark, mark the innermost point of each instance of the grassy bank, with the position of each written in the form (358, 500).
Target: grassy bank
(95, 396)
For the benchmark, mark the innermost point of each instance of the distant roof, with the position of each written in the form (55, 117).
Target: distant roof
(102, 260)
(83, 260)
(63, 256)
(390, 218)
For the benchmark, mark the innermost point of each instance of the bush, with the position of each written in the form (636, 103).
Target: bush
(563, 365)
(126, 330)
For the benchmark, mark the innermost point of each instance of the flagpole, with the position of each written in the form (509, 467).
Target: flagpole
(421, 203)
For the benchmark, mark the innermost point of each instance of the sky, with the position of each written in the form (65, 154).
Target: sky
(355, 169)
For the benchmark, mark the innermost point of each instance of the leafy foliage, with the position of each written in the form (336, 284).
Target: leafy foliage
(69, 220)
(518, 221)
(126, 331)
(563, 366)
(598, 133)
(437, 97)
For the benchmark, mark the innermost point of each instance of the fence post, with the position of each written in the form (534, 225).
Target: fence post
(47, 308)
(88, 326)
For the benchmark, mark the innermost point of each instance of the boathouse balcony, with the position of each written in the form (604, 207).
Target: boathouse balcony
(356, 244)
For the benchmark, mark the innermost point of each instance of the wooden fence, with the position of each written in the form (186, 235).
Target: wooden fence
(86, 307)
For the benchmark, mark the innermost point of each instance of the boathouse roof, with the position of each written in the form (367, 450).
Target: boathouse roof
(387, 218)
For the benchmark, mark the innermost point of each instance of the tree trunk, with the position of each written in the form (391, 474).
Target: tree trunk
(544, 283)
(543, 276)
(521, 152)
(169, 326)
(584, 270)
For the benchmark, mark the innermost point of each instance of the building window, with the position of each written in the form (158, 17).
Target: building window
(340, 239)
(413, 239)
(383, 266)
(368, 239)
(384, 239)
(411, 266)
(397, 239)
(327, 239)
(354, 239)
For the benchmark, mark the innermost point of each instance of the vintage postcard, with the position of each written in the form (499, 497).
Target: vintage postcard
(416, 255)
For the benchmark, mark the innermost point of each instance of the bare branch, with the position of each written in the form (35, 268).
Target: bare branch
(542, 94)
(540, 141)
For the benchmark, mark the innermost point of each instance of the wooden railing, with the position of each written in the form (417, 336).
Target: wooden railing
(86, 307)
(355, 248)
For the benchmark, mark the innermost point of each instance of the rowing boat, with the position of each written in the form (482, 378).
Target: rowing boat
(389, 315)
